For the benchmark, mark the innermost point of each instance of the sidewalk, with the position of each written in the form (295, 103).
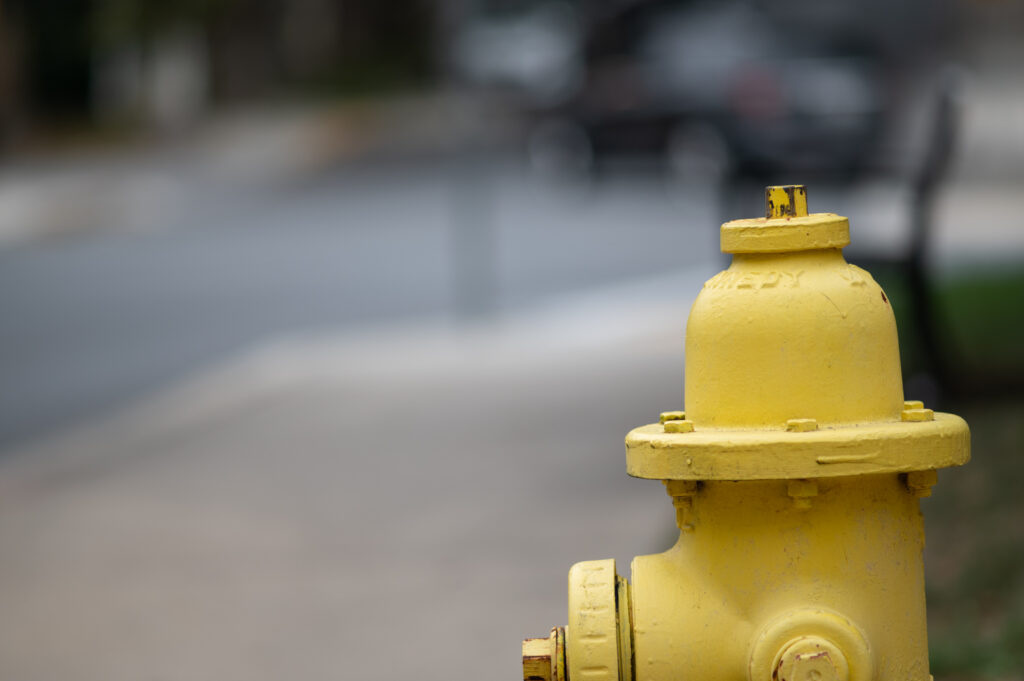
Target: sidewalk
(391, 505)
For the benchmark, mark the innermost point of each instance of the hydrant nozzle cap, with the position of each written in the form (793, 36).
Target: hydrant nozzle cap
(787, 226)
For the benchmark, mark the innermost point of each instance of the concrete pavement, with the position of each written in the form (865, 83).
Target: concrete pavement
(396, 504)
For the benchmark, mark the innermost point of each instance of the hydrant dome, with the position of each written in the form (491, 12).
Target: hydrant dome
(791, 331)
(792, 335)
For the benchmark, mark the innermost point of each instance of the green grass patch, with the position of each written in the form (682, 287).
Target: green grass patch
(984, 313)
(974, 558)
(980, 315)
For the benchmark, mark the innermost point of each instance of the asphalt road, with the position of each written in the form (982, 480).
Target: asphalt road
(96, 318)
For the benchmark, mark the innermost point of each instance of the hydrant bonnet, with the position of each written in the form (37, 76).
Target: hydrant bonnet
(792, 338)
(791, 330)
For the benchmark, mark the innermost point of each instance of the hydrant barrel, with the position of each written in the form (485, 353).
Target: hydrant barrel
(795, 471)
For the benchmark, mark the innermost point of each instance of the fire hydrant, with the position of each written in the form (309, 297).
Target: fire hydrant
(795, 472)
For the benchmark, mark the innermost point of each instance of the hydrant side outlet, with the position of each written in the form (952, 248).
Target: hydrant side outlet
(795, 472)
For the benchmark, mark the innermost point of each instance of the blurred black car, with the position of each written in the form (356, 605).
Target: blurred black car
(712, 88)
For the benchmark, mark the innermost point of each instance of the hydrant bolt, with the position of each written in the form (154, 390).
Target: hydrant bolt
(679, 426)
(918, 415)
(802, 491)
(544, 658)
(536, 660)
(795, 473)
(920, 483)
(801, 425)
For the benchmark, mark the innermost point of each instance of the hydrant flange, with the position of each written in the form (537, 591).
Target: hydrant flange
(897, 447)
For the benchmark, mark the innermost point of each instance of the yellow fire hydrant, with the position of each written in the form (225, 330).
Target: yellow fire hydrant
(795, 472)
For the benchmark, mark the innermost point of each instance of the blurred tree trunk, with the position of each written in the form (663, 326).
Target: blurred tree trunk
(56, 65)
(11, 65)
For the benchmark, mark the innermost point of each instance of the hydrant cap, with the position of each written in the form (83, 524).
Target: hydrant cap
(786, 226)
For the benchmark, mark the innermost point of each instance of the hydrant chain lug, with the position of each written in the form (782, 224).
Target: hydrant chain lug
(794, 472)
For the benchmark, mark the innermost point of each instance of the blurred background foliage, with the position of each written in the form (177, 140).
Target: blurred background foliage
(76, 62)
